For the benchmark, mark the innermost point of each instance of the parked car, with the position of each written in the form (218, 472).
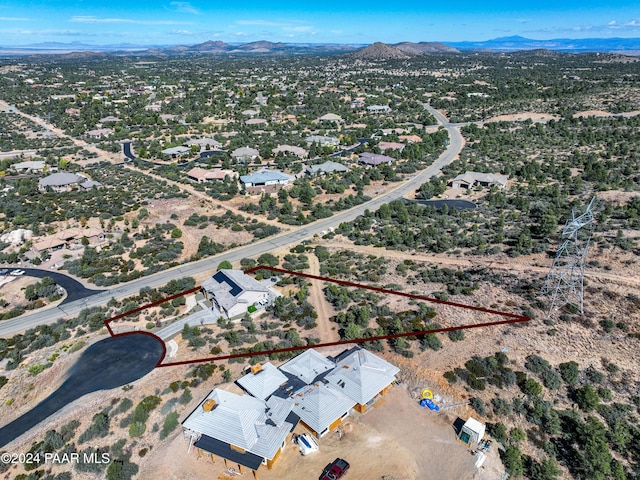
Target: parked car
(306, 443)
(335, 470)
(17, 273)
(3, 271)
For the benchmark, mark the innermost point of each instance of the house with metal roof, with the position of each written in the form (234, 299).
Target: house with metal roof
(241, 429)
(262, 380)
(263, 178)
(204, 143)
(362, 376)
(308, 366)
(326, 168)
(470, 179)
(374, 159)
(174, 152)
(321, 407)
(233, 292)
(60, 182)
(31, 166)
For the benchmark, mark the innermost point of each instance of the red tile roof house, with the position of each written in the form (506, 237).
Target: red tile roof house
(202, 175)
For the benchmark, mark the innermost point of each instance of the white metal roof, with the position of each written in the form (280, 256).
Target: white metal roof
(263, 383)
(60, 179)
(239, 420)
(362, 375)
(320, 405)
(308, 365)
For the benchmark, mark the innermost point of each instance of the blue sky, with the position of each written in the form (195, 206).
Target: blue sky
(153, 22)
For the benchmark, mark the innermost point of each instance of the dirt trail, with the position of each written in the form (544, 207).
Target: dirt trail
(326, 330)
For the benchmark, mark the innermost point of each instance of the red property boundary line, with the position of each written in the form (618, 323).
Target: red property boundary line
(511, 318)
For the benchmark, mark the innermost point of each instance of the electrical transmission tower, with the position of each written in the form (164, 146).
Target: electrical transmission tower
(565, 280)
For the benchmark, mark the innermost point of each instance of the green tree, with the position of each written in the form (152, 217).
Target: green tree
(225, 265)
(569, 372)
(587, 398)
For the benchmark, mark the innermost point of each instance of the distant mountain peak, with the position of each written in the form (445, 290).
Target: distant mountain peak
(380, 51)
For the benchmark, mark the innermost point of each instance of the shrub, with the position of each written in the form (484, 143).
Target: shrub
(456, 335)
(478, 405)
(569, 372)
(185, 397)
(137, 428)
(169, 425)
(531, 387)
(587, 398)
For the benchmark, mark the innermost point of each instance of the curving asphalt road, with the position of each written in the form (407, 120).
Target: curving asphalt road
(292, 237)
(75, 290)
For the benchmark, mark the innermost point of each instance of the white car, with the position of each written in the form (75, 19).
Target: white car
(17, 273)
(306, 443)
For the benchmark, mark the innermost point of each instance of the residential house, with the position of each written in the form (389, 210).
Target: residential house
(241, 429)
(362, 376)
(245, 154)
(60, 182)
(202, 175)
(317, 391)
(233, 292)
(323, 141)
(326, 168)
(175, 152)
(100, 132)
(69, 238)
(410, 138)
(470, 179)
(204, 143)
(290, 149)
(383, 146)
(256, 121)
(378, 109)
(373, 159)
(330, 117)
(33, 166)
(264, 178)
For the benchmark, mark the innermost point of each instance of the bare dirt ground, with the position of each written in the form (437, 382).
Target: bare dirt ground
(522, 116)
(602, 114)
(326, 330)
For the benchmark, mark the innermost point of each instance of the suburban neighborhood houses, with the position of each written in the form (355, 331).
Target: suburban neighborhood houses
(299, 261)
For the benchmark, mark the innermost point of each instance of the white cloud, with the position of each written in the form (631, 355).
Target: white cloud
(184, 7)
(92, 19)
(13, 19)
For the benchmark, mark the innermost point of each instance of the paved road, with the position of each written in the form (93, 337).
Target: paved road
(289, 238)
(75, 290)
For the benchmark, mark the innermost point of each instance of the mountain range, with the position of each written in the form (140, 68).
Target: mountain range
(378, 50)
